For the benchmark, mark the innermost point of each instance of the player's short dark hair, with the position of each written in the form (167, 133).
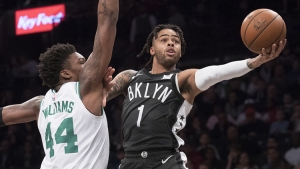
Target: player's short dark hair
(53, 61)
(154, 34)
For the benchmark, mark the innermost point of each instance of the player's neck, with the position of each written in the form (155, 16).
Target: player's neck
(157, 69)
(57, 87)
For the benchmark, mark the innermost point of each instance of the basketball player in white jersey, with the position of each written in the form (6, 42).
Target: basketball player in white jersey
(70, 117)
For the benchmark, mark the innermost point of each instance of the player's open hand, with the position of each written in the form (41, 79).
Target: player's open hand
(107, 84)
(265, 57)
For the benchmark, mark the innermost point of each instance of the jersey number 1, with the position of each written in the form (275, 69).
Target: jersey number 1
(141, 109)
(70, 138)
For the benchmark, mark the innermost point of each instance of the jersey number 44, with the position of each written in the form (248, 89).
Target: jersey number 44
(70, 138)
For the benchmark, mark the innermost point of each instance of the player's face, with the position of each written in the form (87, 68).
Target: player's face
(166, 48)
(76, 61)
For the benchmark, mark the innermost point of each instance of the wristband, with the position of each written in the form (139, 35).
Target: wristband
(1, 120)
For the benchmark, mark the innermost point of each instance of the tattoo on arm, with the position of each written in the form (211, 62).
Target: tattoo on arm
(100, 12)
(249, 64)
(121, 84)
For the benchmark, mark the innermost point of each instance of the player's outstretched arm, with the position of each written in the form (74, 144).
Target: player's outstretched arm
(120, 83)
(21, 113)
(91, 87)
(199, 80)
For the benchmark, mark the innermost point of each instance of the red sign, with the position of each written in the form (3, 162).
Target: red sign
(41, 19)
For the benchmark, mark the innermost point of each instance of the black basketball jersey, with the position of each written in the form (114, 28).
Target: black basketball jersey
(153, 112)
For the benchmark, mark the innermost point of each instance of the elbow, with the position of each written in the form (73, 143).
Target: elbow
(113, 16)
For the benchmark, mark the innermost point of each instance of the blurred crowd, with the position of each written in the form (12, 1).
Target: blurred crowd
(245, 123)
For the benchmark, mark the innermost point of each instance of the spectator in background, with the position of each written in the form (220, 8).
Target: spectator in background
(247, 108)
(221, 127)
(295, 119)
(275, 161)
(6, 78)
(272, 93)
(205, 142)
(266, 71)
(279, 126)
(141, 26)
(211, 160)
(175, 17)
(252, 126)
(30, 159)
(6, 97)
(253, 85)
(214, 120)
(239, 87)
(26, 67)
(195, 129)
(245, 162)
(233, 156)
(260, 95)
(279, 78)
(191, 155)
(200, 24)
(190, 165)
(292, 156)
(272, 142)
(232, 106)
(287, 106)
(203, 166)
(269, 111)
(207, 103)
(232, 138)
(294, 75)
(7, 159)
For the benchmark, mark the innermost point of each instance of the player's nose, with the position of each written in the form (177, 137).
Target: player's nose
(170, 43)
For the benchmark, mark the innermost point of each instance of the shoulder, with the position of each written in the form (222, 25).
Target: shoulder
(126, 75)
(36, 99)
(129, 72)
(185, 74)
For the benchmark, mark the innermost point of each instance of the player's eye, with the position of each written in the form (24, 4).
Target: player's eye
(164, 40)
(176, 41)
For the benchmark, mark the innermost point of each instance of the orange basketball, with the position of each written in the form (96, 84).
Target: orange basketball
(261, 29)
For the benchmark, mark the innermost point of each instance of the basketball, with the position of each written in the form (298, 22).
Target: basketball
(261, 29)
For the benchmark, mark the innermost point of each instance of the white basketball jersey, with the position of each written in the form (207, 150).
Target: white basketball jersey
(73, 138)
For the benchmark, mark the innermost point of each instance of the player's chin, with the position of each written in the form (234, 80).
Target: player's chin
(170, 62)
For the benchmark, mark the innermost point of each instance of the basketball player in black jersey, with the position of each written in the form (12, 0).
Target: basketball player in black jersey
(158, 99)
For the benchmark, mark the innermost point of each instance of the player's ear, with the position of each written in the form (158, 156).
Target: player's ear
(65, 74)
(152, 51)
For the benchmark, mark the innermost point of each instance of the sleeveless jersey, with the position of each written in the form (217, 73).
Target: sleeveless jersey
(153, 112)
(72, 137)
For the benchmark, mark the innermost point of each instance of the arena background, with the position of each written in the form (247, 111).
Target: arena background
(253, 120)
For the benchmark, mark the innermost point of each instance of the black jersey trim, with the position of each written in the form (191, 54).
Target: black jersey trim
(173, 81)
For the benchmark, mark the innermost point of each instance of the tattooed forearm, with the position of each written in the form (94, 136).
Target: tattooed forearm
(121, 83)
(102, 7)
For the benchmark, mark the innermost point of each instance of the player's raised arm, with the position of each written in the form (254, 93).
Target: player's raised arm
(93, 71)
(21, 113)
(201, 79)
